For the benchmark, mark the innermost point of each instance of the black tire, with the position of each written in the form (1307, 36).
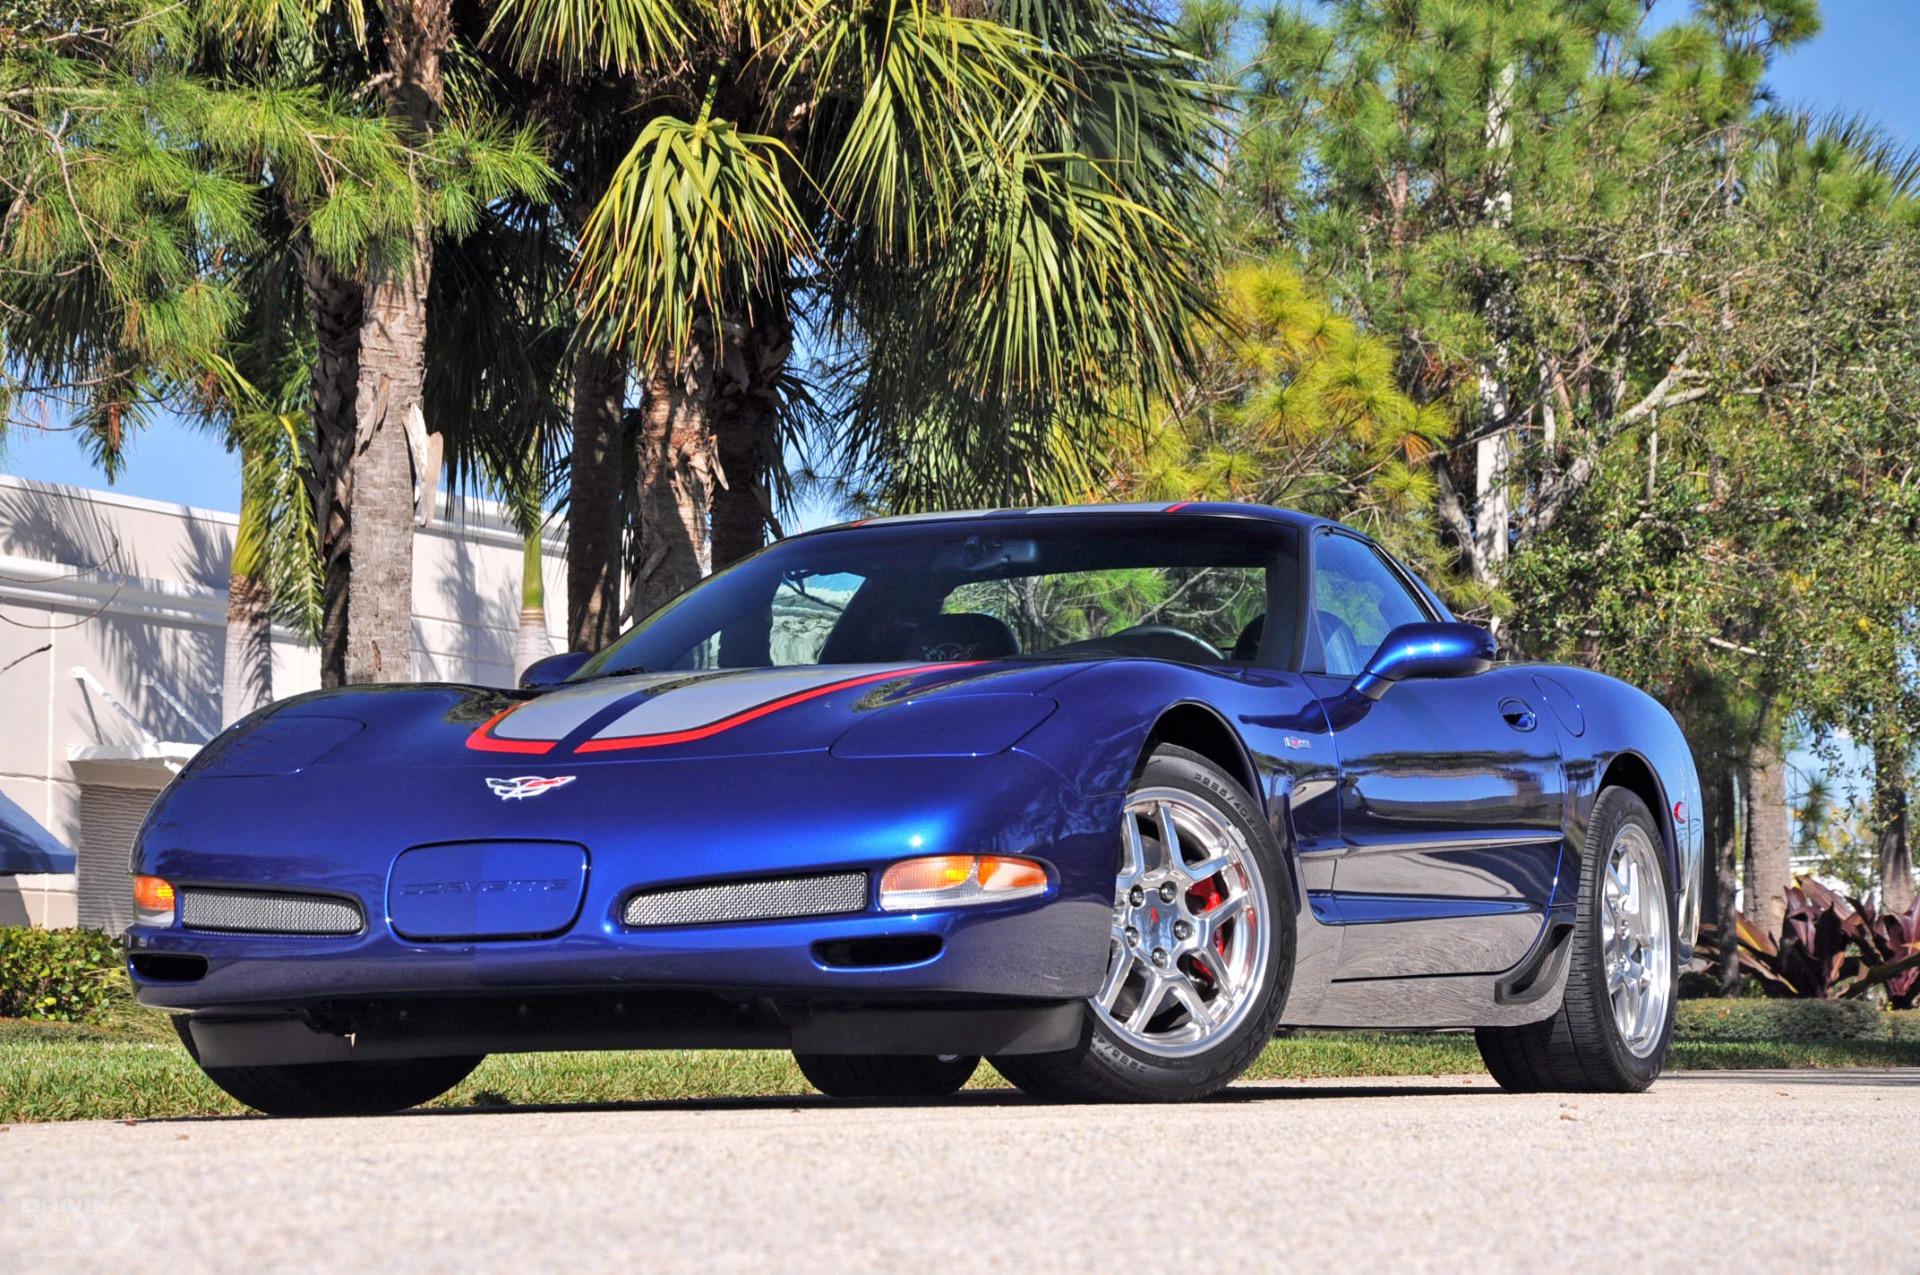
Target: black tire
(1580, 1049)
(887, 1075)
(342, 1089)
(1103, 1067)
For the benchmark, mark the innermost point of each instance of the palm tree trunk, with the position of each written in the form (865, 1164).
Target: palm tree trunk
(393, 338)
(674, 483)
(337, 305)
(246, 681)
(1723, 872)
(1769, 832)
(747, 432)
(1893, 852)
(594, 519)
(532, 643)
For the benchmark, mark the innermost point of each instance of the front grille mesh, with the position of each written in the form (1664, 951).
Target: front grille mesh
(263, 912)
(760, 900)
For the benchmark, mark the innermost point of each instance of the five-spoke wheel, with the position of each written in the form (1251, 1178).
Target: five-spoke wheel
(1615, 1021)
(1189, 944)
(1201, 951)
(1637, 940)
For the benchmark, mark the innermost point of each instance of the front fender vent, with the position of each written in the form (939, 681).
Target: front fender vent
(267, 912)
(764, 899)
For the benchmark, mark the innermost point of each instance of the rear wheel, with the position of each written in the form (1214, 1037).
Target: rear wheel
(887, 1075)
(1201, 950)
(1615, 1022)
(343, 1089)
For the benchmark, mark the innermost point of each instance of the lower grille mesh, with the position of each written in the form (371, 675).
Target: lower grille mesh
(761, 900)
(262, 912)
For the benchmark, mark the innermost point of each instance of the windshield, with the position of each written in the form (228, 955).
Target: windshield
(1055, 587)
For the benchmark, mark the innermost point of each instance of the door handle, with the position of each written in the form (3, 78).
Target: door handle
(1518, 714)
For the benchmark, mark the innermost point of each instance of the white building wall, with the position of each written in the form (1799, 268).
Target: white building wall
(134, 591)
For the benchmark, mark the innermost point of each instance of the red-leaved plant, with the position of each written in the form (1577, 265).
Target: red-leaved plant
(1832, 947)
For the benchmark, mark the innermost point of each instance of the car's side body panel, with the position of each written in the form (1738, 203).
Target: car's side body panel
(1451, 851)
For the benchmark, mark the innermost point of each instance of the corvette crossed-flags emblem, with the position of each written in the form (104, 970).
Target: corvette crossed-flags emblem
(526, 785)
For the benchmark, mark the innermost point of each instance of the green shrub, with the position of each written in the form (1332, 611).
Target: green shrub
(1792, 1020)
(64, 974)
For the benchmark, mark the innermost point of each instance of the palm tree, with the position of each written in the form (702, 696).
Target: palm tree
(589, 124)
(499, 364)
(531, 642)
(368, 276)
(388, 466)
(992, 211)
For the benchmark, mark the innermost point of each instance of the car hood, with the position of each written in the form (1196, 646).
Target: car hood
(899, 710)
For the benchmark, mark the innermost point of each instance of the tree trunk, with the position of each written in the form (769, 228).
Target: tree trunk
(1893, 854)
(1493, 454)
(1769, 831)
(594, 519)
(1492, 504)
(393, 337)
(674, 484)
(747, 432)
(1723, 873)
(246, 678)
(532, 643)
(336, 303)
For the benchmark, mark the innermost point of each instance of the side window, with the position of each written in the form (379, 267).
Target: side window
(1357, 601)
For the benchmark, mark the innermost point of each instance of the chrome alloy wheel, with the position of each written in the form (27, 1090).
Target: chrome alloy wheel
(1637, 940)
(1191, 942)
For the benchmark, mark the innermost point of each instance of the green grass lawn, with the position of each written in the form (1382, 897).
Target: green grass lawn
(129, 1066)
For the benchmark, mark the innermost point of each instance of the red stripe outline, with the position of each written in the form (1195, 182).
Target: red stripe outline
(760, 710)
(1176, 507)
(486, 743)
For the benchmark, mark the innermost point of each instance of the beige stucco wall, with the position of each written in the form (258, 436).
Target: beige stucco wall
(134, 591)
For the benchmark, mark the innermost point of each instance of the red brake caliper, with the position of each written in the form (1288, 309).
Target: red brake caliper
(1206, 896)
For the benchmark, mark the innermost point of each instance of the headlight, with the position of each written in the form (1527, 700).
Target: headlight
(959, 880)
(946, 726)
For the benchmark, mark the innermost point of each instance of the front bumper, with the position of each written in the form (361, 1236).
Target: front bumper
(1045, 949)
(644, 826)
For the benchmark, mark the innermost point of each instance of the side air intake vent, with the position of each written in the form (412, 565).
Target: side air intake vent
(265, 912)
(763, 900)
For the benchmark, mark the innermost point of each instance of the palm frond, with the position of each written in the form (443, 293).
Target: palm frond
(624, 35)
(696, 216)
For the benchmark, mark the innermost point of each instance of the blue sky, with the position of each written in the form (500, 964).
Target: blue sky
(1867, 59)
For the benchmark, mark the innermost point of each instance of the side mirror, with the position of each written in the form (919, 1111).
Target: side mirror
(555, 669)
(1426, 650)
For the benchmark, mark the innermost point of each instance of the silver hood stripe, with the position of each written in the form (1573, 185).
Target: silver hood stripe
(675, 707)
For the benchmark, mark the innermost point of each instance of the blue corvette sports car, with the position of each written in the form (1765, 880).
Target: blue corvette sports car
(1105, 794)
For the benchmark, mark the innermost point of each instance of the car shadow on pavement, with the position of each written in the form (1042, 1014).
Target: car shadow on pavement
(971, 1099)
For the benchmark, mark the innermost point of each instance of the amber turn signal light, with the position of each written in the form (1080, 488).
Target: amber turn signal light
(152, 901)
(959, 880)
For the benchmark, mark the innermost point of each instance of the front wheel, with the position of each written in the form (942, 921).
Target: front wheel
(1201, 950)
(343, 1088)
(1615, 1022)
(887, 1075)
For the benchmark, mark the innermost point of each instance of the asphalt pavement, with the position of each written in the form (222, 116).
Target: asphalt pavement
(1763, 1171)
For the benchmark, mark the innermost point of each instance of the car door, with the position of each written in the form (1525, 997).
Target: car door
(1451, 794)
